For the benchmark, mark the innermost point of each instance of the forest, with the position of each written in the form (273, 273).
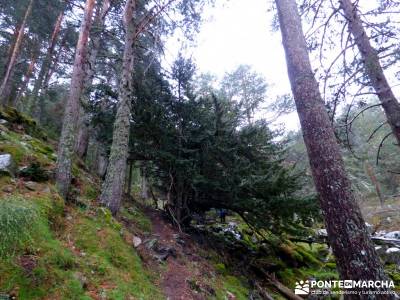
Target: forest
(128, 170)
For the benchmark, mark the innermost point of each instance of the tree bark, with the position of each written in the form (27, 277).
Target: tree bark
(35, 107)
(144, 190)
(113, 186)
(10, 50)
(31, 68)
(54, 63)
(5, 87)
(347, 234)
(84, 118)
(68, 133)
(130, 173)
(373, 67)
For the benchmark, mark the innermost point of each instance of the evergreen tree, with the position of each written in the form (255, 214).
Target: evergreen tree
(355, 254)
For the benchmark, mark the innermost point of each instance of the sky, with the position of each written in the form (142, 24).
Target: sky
(236, 32)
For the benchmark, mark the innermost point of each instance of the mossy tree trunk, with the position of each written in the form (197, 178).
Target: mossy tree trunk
(5, 88)
(347, 234)
(113, 186)
(84, 119)
(373, 67)
(68, 133)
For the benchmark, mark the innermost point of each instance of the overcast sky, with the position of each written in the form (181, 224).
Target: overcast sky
(235, 33)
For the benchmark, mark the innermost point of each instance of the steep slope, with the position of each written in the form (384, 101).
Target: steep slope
(77, 250)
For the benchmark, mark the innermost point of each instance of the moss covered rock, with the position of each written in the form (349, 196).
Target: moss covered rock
(16, 118)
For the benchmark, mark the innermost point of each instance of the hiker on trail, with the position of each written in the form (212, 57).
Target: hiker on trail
(222, 214)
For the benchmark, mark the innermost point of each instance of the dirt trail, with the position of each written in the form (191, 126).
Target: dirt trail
(178, 271)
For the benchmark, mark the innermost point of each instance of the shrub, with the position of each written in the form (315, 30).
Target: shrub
(16, 219)
(35, 172)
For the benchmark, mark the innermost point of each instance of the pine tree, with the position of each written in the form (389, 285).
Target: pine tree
(355, 254)
(373, 67)
(113, 185)
(5, 88)
(68, 134)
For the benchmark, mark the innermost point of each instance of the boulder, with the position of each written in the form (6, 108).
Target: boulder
(8, 189)
(30, 185)
(7, 165)
(162, 253)
(392, 256)
(322, 232)
(137, 241)
(392, 235)
(381, 250)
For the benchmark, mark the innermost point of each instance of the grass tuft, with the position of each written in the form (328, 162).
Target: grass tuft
(17, 217)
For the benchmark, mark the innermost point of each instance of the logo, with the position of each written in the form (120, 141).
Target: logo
(302, 287)
(343, 287)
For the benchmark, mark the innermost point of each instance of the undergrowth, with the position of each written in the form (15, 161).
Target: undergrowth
(17, 217)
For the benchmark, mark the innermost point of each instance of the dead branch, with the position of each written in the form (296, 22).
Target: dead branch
(375, 131)
(380, 146)
(358, 114)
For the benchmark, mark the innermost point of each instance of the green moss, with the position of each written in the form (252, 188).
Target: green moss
(26, 151)
(319, 273)
(220, 268)
(288, 276)
(40, 147)
(73, 290)
(45, 262)
(106, 216)
(42, 263)
(17, 152)
(394, 273)
(15, 117)
(111, 259)
(91, 192)
(18, 220)
(330, 265)
(233, 285)
(308, 256)
(104, 258)
(136, 216)
(5, 180)
(75, 170)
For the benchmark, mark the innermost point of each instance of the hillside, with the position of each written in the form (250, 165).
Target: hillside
(76, 250)
(53, 249)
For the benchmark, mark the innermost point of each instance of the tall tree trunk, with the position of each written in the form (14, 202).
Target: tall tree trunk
(10, 50)
(113, 186)
(54, 63)
(68, 133)
(35, 108)
(373, 67)
(31, 68)
(97, 158)
(84, 119)
(130, 174)
(355, 254)
(5, 87)
(144, 190)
